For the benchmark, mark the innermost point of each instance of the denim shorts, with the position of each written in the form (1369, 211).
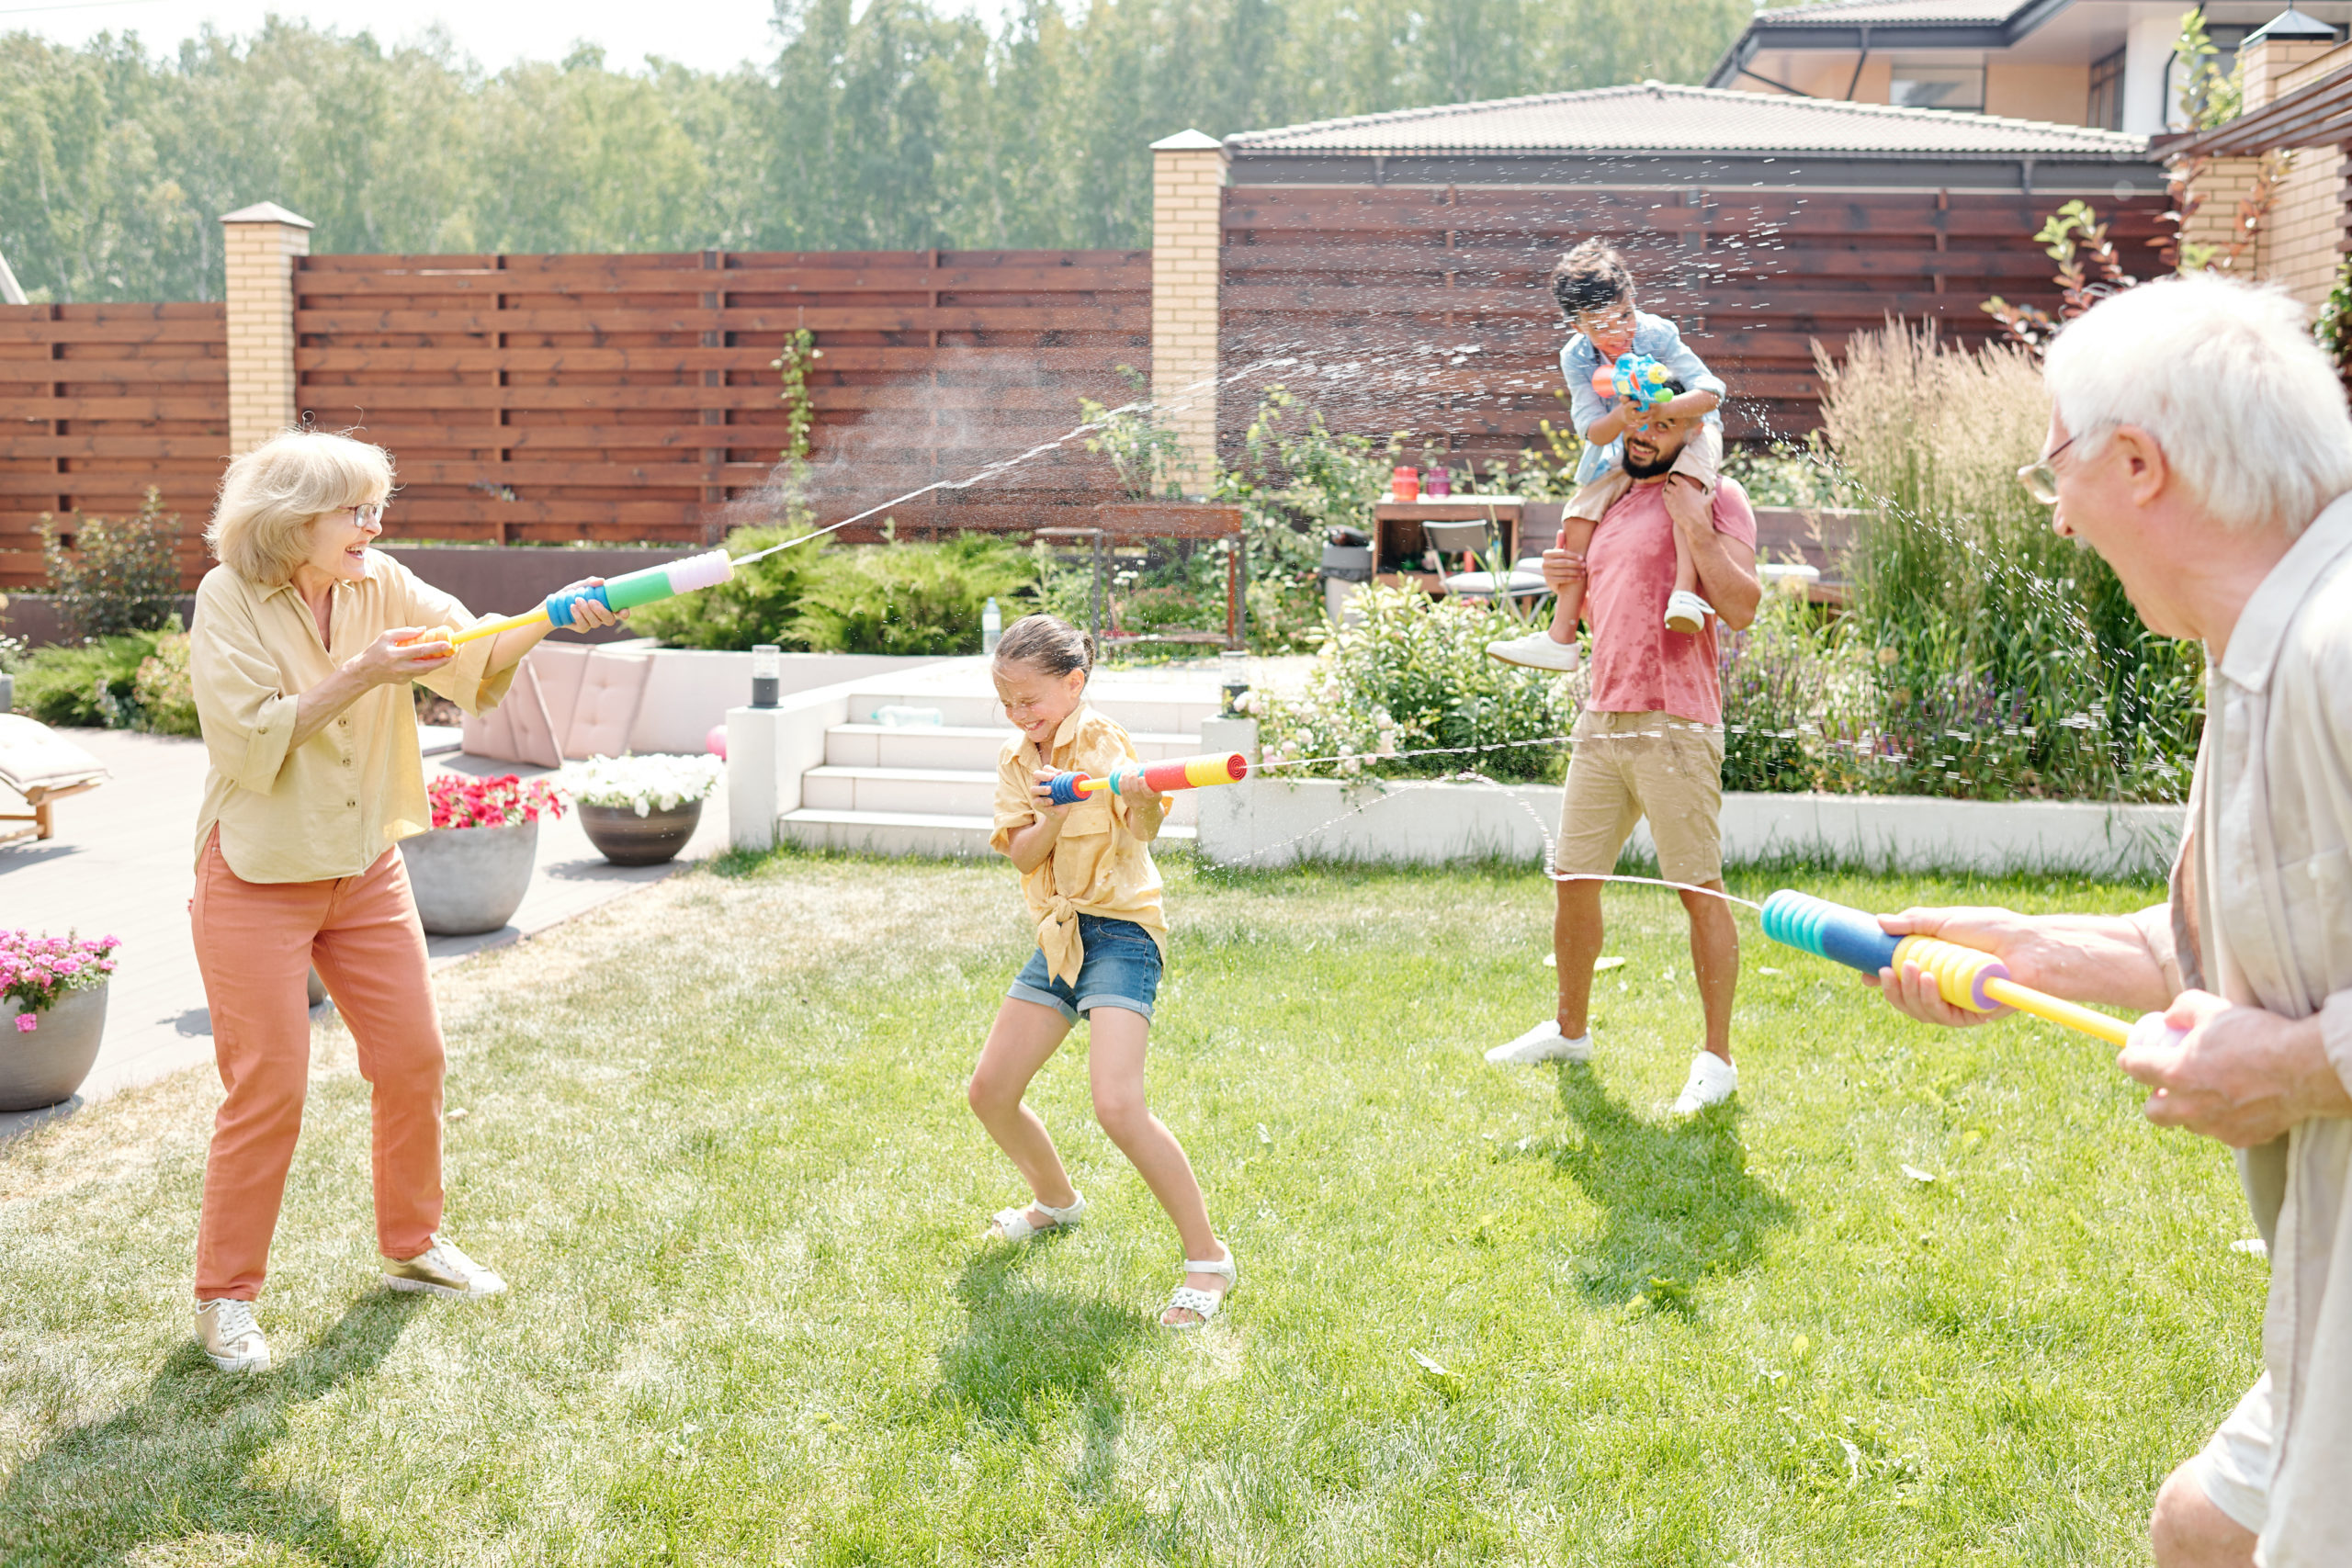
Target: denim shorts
(1121, 969)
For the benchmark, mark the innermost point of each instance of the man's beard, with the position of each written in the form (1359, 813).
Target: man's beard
(1660, 464)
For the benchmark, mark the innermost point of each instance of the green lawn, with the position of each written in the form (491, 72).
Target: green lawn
(715, 1136)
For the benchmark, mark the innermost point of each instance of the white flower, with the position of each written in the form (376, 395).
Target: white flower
(644, 784)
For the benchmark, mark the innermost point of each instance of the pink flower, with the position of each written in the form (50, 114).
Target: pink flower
(26, 1022)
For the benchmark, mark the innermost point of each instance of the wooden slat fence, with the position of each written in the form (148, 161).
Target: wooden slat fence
(1427, 309)
(632, 398)
(98, 402)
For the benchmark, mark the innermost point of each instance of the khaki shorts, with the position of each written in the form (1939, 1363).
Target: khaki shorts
(2235, 1468)
(1626, 766)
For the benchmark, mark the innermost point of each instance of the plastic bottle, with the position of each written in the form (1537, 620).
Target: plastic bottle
(992, 626)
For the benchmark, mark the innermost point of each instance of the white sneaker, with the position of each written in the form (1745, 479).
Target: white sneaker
(443, 1270)
(1545, 1043)
(230, 1336)
(1537, 650)
(1712, 1081)
(1687, 613)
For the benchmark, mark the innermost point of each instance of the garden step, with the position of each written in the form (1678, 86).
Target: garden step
(901, 832)
(959, 747)
(1161, 709)
(927, 792)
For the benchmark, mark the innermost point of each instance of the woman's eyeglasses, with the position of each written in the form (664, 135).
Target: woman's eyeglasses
(368, 516)
(2041, 480)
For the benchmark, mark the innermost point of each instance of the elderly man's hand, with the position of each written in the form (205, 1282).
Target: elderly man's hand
(2242, 1075)
(1563, 569)
(2005, 934)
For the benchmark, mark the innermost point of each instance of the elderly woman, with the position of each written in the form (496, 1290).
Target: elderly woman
(2199, 441)
(302, 670)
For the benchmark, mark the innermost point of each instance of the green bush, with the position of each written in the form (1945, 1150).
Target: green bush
(106, 683)
(1413, 675)
(911, 599)
(2009, 662)
(116, 577)
(822, 598)
(1798, 699)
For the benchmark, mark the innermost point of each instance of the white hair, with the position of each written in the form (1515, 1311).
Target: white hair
(2226, 378)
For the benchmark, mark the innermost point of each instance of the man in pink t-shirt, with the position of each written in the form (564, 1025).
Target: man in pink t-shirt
(1650, 740)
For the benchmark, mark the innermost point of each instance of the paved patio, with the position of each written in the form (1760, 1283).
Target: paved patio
(122, 862)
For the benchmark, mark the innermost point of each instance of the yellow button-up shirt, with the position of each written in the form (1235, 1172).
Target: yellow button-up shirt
(331, 806)
(1101, 864)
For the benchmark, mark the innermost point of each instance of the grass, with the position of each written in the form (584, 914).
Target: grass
(715, 1136)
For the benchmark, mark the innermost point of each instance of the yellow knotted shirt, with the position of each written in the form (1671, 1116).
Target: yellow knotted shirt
(1101, 864)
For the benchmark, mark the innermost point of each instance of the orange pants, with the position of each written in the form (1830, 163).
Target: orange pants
(255, 943)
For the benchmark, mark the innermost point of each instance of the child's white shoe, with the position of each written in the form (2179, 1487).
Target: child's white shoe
(1204, 1303)
(1687, 613)
(1014, 1225)
(1537, 650)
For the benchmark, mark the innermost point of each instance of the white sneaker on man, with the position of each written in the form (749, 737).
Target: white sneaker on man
(1687, 613)
(443, 1270)
(1712, 1081)
(1537, 650)
(230, 1337)
(1545, 1043)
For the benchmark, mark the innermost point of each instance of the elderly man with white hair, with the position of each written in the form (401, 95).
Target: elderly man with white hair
(2200, 442)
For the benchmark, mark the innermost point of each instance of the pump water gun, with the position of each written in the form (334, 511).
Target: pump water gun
(1639, 380)
(1182, 773)
(625, 592)
(1964, 978)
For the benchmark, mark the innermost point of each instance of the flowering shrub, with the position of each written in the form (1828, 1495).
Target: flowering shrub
(642, 784)
(1415, 675)
(36, 970)
(502, 802)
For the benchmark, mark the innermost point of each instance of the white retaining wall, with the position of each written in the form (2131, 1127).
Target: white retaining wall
(1268, 822)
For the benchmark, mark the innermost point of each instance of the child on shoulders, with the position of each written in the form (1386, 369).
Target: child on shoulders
(1595, 292)
(1088, 876)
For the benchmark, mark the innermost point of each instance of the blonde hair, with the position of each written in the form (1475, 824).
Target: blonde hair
(270, 496)
(2226, 377)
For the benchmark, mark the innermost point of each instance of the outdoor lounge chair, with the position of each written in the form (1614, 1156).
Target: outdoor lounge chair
(42, 766)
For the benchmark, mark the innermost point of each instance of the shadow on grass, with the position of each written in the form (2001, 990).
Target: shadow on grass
(181, 1462)
(1028, 1353)
(1678, 1206)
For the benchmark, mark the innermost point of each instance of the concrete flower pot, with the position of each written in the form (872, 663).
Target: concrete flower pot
(468, 880)
(48, 1064)
(624, 838)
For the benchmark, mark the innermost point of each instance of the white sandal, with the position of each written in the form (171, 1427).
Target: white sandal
(1013, 1224)
(1199, 1300)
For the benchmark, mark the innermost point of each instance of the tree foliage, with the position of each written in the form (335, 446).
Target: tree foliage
(899, 124)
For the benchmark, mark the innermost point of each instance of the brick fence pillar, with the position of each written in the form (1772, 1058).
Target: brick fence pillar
(262, 243)
(1187, 194)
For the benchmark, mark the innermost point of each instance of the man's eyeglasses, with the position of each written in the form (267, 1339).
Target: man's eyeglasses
(2041, 480)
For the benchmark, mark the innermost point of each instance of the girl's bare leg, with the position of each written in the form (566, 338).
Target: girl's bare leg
(1024, 1037)
(1115, 1069)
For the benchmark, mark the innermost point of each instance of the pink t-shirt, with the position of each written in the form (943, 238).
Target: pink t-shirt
(1637, 665)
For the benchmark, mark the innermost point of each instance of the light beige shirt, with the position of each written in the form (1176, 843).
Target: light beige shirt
(1101, 864)
(2267, 871)
(329, 807)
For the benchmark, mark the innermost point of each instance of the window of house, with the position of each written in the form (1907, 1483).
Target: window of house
(1924, 85)
(2106, 111)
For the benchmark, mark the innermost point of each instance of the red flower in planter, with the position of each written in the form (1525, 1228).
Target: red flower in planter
(460, 801)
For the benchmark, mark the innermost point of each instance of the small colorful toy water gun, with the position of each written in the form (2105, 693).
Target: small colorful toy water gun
(1966, 979)
(1641, 380)
(1182, 773)
(624, 592)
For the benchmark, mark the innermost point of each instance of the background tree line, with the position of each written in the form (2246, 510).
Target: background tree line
(902, 125)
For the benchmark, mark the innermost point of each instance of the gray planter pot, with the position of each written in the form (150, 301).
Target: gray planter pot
(624, 838)
(48, 1064)
(470, 880)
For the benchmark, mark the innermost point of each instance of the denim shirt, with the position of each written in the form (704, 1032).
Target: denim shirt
(1653, 335)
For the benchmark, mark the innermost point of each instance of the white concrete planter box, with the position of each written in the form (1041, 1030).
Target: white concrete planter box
(689, 690)
(1272, 823)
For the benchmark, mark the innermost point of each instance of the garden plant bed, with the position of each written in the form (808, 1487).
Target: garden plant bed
(737, 1191)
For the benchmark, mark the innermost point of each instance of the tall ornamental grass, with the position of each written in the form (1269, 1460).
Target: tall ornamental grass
(2009, 662)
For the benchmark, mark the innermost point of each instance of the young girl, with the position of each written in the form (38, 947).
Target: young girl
(1087, 874)
(1595, 293)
